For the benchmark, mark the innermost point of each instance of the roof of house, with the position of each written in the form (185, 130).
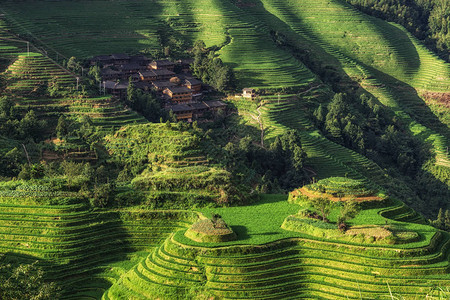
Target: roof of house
(179, 89)
(162, 84)
(101, 57)
(248, 90)
(185, 61)
(193, 81)
(128, 67)
(215, 104)
(143, 85)
(139, 58)
(199, 105)
(163, 72)
(162, 63)
(148, 73)
(180, 107)
(115, 85)
(120, 56)
(109, 71)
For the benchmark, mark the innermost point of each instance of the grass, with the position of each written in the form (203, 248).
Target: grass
(96, 249)
(258, 223)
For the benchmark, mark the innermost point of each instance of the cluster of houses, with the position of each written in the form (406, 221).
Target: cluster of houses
(172, 81)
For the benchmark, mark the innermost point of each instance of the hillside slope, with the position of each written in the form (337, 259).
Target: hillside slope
(141, 252)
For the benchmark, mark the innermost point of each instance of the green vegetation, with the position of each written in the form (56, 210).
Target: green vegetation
(102, 198)
(427, 20)
(213, 230)
(25, 281)
(340, 186)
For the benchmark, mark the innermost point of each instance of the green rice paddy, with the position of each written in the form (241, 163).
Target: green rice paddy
(137, 253)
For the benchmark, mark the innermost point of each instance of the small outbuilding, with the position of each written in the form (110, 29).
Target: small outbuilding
(248, 93)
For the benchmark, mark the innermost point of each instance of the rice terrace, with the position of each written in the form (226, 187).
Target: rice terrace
(224, 149)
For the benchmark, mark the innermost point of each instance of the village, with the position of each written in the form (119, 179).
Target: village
(172, 82)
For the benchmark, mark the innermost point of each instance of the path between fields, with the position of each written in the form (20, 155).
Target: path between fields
(260, 125)
(310, 194)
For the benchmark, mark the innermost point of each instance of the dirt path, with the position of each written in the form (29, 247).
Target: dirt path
(261, 127)
(310, 194)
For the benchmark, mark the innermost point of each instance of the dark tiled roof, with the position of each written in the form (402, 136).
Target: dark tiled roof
(193, 81)
(180, 107)
(143, 85)
(139, 58)
(163, 72)
(147, 73)
(162, 63)
(179, 89)
(120, 56)
(163, 84)
(108, 71)
(101, 58)
(116, 86)
(128, 67)
(185, 61)
(199, 105)
(214, 104)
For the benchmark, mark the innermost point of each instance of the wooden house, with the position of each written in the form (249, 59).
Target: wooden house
(131, 68)
(120, 59)
(144, 86)
(185, 64)
(193, 84)
(179, 94)
(140, 60)
(163, 74)
(162, 65)
(103, 60)
(147, 75)
(162, 85)
(199, 108)
(116, 88)
(215, 105)
(110, 74)
(182, 112)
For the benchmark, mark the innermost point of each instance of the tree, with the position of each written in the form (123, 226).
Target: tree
(53, 87)
(131, 91)
(447, 220)
(25, 281)
(73, 64)
(210, 69)
(324, 206)
(440, 221)
(349, 210)
(62, 129)
(30, 126)
(94, 72)
(103, 195)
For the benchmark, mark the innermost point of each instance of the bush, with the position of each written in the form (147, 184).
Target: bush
(129, 198)
(103, 195)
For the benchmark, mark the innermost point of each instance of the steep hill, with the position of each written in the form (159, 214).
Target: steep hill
(297, 54)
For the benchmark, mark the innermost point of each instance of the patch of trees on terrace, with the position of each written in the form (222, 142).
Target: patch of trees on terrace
(364, 125)
(428, 20)
(25, 281)
(210, 69)
(276, 168)
(17, 126)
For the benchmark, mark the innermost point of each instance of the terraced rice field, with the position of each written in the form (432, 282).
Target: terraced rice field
(32, 70)
(285, 269)
(85, 29)
(141, 254)
(83, 250)
(390, 69)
